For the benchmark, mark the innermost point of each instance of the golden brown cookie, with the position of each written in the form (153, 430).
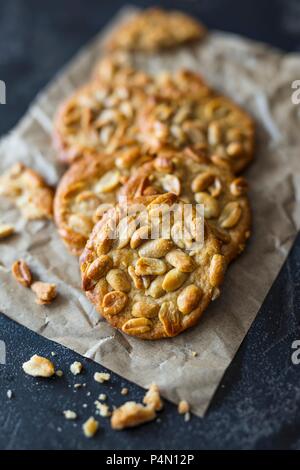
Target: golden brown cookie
(97, 118)
(87, 188)
(155, 29)
(195, 179)
(148, 278)
(28, 190)
(207, 122)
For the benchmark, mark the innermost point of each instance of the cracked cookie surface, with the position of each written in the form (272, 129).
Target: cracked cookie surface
(151, 287)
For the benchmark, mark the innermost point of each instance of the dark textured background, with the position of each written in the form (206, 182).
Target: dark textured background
(257, 403)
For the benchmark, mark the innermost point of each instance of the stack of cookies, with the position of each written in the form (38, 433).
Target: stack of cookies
(163, 142)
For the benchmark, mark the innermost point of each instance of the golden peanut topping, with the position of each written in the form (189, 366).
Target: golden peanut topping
(39, 366)
(181, 261)
(96, 270)
(139, 236)
(170, 318)
(114, 302)
(118, 280)
(189, 299)
(173, 280)
(150, 266)
(21, 273)
(155, 248)
(137, 326)
(217, 270)
(145, 309)
(239, 186)
(230, 215)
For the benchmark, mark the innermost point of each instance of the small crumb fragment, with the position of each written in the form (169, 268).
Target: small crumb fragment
(77, 385)
(38, 366)
(152, 398)
(6, 230)
(84, 405)
(90, 427)
(21, 272)
(69, 414)
(194, 353)
(76, 368)
(124, 391)
(59, 373)
(101, 377)
(187, 416)
(53, 353)
(88, 394)
(59, 429)
(9, 394)
(102, 396)
(183, 407)
(103, 409)
(131, 414)
(44, 291)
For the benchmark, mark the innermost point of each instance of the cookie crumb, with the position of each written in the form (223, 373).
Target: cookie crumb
(103, 409)
(69, 414)
(53, 353)
(44, 291)
(90, 427)
(183, 407)
(59, 373)
(102, 396)
(152, 398)
(194, 353)
(101, 377)
(84, 405)
(131, 414)
(88, 394)
(77, 385)
(124, 391)
(9, 394)
(38, 366)
(187, 416)
(76, 368)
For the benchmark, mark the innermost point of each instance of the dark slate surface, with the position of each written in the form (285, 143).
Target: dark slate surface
(257, 403)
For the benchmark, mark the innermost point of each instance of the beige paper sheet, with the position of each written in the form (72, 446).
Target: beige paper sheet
(257, 77)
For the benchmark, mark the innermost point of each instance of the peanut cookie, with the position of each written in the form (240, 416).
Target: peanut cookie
(28, 190)
(195, 179)
(97, 118)
(206, 122)
(87, 187)
(145, 269)
(155, 29)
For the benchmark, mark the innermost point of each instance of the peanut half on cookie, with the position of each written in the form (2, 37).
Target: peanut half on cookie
(193, 178)
(87, 189)
(155, 29)
(147, 271)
